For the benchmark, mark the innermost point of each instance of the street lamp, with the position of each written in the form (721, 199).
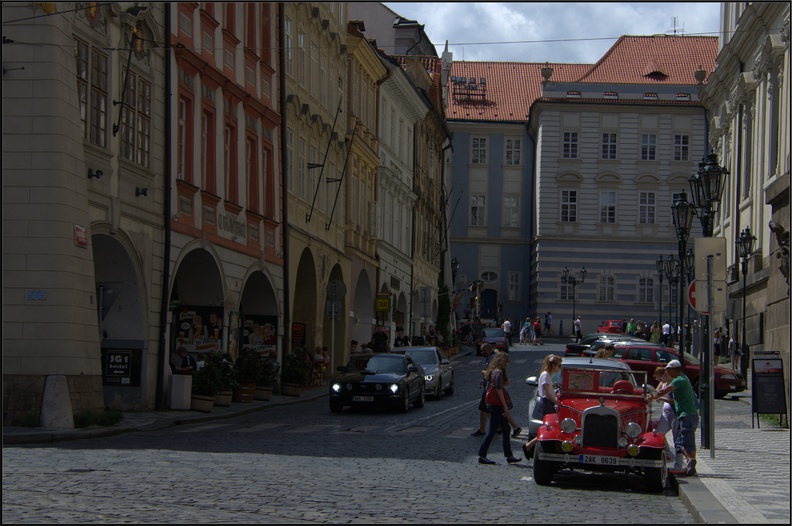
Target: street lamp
(746, 244)
(660, 270)
(706, 186)
(690, 264)
(682, 214)
(572, 280)
(672, 273)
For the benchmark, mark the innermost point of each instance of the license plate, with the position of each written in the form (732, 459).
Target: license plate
(362, 398)
(599, 460)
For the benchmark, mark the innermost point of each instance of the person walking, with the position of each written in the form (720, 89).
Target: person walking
(499, 407)
(666, 334)
(578, 330)
(548, 324)
(537, 327)
(668, 420)
(380, 340)
(547, 397)
(654, 333)
(734, 353)
(507, 330)
(488, 352)
(686, 413)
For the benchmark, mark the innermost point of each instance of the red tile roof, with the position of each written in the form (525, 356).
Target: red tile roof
(513, 86)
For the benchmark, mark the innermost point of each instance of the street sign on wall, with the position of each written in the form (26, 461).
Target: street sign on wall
(706, 247)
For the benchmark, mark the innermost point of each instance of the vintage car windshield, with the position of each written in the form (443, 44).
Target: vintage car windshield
(493, 333)
(423, 356)
(387, 364)
(605, 377)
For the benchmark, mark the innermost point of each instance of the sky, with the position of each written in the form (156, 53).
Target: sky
(559, 32)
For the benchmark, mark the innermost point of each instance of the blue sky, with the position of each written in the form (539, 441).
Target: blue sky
(551, 31)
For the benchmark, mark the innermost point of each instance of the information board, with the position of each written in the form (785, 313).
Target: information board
(769, 395)
(121, 367)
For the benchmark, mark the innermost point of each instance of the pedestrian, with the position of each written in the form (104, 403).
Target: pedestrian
(686, 413)
(537, 327)
(666, 334)
(548, 324)
(734, 352)
(607, 351)
(353, 348)
(547, 398)
(654, 333)
(379, 340)
(188, 364)
(507, 330)
(668, 420)
(499, 407)
(578, 331)
(488, 352)
(716, 345)
(401, 340)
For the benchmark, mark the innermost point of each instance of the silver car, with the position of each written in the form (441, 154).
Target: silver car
(438, 371)
(620, 372)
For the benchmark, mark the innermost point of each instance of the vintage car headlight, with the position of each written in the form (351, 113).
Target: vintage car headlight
(394, 388)
(428, 377)
(568, 425)
(633, 430)
(578, 440)
(566, 446)
(622, 442)
(336, 387)
(632, 450)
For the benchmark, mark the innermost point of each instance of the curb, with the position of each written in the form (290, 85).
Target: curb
(700, 502)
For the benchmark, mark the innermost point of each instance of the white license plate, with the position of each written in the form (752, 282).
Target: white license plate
(599, 460)
(362, 398)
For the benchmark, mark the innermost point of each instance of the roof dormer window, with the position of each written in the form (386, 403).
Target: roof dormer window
(610, 95)
(650, 96)
(683, 96)
(573, 94)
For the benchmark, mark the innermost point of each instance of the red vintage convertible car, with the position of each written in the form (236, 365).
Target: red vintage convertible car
(611, 326)
(601, 428)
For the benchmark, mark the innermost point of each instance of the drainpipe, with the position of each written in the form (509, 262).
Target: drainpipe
(166, 256)
(284, 178)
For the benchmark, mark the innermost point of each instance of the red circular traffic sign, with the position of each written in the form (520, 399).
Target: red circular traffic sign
(692, 297)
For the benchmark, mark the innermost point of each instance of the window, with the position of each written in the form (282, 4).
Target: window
(478, 151)
(570, 150)
(136, 120)
(252, 173)
(646, 208)
(353, 213)
(648, 146)
(477, 210)
(229, 164)
(290, 160)
(514, 152)
(646, 290)
(608, 206)
(565, 292)
(606, 288)
(92, 85)
(323, 91)
(184, 162)
(569, 206)
(302, 61)
(511, 211)
(681, 148)
(207, 152)
(301, 167)
(608, 146)
(287, 24)
(314, 69)
(514, 286)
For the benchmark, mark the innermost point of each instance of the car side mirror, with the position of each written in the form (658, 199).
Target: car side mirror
(532, 381)
(445, 361)
(413, 368)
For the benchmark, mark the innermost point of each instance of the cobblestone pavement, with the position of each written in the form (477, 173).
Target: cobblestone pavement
(748, 481)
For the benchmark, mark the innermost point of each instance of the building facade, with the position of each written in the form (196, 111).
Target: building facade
(747, 98)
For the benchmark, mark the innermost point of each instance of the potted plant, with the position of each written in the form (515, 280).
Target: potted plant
(206, 383)
(226, 377)
(266, 379)
(247, 368)
(294, 373)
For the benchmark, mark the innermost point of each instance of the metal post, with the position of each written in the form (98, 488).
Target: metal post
(743, 348)
(711, 367)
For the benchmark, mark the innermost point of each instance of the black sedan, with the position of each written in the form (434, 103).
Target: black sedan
(381, 380)
(438, 371)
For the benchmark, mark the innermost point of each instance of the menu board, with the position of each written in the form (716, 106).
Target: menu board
(769, 395)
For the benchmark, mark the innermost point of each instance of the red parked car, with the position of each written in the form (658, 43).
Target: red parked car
(600, 426)
(611, 326)
(647, 357)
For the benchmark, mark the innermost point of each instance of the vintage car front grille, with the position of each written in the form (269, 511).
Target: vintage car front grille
(600, 427)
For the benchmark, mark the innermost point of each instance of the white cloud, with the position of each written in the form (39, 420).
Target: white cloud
(551, 31)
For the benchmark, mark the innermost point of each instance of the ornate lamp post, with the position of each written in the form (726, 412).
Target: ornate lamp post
(746, 244)
(690, 265)
(682, 213)
(706, 186)
(672, 273)
(572, 280)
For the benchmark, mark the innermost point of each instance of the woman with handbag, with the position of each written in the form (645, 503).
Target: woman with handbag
(499, 407)
(547, 398)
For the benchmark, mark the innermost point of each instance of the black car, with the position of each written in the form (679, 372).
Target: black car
(438, 371)
(381, 379)
(589, 343)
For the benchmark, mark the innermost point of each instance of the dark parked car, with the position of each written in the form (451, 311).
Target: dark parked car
(495, 337)
(382, 379)
(578, 349)
(438, 371)
(647, 357)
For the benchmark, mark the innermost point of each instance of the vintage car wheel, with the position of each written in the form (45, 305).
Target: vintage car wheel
(655, 478)
(450, 389)
(421, 401)
(543, 470)
(336, 406)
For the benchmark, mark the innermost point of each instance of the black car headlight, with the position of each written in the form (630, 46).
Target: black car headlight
(336, 387)
(393, 387)
(428, 377)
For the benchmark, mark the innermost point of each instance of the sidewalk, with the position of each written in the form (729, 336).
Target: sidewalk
(748, 481)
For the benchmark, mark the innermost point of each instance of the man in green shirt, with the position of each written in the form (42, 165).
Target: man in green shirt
(686, 412)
